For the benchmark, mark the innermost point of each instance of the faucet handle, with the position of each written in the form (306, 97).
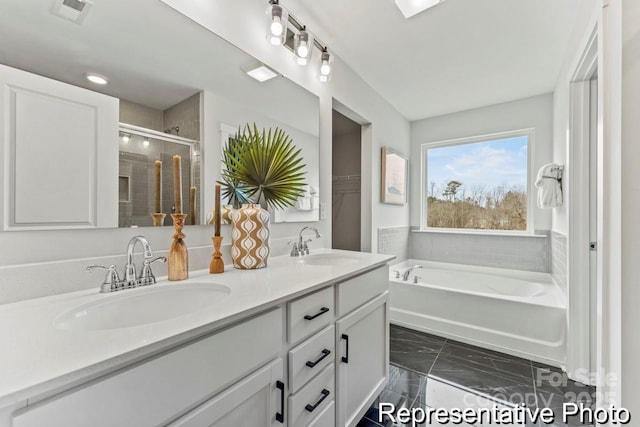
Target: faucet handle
(416, 279)
(294, 248)
(112, 279)
(146, 276)
(304, 250)
(397, 273)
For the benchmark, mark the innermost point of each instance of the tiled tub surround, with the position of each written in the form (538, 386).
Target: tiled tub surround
(518, 252)
(430, 371)
(394, 241)
(517, 312)
(39, 359)
(559, 258)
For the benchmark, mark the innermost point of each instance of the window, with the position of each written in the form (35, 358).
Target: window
(479, 183)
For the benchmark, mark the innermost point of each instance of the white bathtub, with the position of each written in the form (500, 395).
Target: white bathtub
(516, 312)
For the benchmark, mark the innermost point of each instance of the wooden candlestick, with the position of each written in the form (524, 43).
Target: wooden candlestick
(178, 259)
(158, 219)
(177, 184)
(217, 264)
(158, 166)
(217, 215)
(192, 206)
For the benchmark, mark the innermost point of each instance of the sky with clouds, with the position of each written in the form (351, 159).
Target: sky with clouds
(497, 163)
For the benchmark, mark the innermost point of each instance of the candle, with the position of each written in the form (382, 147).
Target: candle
(192, 206)
(217, 212)
(158, 164)
(177, 184)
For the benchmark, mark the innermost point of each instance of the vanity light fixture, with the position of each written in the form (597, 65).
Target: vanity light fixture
(278, 20)
(261, 72)
(281, 25)
(96, 78)
(410, 8)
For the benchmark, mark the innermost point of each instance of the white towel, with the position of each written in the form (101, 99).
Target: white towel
(549, 188)
(303, 203)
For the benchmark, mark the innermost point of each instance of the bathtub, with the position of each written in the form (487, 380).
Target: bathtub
(511, 311)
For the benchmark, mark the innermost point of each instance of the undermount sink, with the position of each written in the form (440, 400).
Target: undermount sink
(142, 306)
(329, 259)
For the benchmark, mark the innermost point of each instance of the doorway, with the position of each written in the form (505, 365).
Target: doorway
(346, 183)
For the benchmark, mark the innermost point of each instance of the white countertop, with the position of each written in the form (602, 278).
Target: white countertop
(38, 359)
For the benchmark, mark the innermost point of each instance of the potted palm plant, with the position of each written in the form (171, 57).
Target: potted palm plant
(262, 169)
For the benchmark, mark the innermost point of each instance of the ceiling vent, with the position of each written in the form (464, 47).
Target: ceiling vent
(71, 10)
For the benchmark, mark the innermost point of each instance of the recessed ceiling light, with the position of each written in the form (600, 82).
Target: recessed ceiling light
(410, 8)
(96, 78)
(261, 73)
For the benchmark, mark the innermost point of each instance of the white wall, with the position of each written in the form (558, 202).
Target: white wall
(535, 112)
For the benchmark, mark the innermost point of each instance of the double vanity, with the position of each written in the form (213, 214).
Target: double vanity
(303, 342)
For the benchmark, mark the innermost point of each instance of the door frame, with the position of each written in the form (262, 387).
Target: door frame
(579, 365)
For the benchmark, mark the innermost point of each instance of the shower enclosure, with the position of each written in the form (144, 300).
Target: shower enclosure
(139, 149)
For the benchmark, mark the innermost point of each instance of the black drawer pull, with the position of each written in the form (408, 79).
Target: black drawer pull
(280, 415)
(311, 407)
(345, 359)
(323, 310)
(325, 353)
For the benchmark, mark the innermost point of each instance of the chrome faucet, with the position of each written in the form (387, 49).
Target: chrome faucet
(112, 281)
(130, 268)
(405, 275)
(301, 248)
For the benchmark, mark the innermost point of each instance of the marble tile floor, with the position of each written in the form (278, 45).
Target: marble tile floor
(432, 372)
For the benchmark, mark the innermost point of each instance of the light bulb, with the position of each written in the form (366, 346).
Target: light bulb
(276, 26)
(275, 40)
(325, 68)
(301, 61)
(145, 142)
(303, 49)
(96, 78)
(324, 78)
(125, 139)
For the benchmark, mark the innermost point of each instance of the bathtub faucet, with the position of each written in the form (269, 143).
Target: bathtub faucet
(406, 274)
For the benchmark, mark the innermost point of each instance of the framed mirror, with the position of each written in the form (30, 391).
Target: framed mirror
(175, 88)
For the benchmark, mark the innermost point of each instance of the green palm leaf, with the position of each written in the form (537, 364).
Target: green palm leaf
(263, 167)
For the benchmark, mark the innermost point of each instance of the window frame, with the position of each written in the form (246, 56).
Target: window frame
(531, 199)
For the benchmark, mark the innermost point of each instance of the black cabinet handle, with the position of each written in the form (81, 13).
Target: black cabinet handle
(324, 394)
(280, 415)
(345, 359)
(325, 353)
(323, 310)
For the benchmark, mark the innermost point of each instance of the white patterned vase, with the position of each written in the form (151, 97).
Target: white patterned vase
(250, 237)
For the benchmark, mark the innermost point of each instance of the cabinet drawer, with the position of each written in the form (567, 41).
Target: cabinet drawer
(355, 292)
(327, 418)
(310, 314)
(313, 398)
(310, 357)
(153, 393)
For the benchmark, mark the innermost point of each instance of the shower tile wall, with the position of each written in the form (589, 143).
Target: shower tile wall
(186, 115)
(141, 115)
(559, 258)
(394, 241)
(514, 252)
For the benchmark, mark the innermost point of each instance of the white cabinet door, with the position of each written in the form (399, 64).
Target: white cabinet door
(256, 401)
(58, 154)
(362, 346)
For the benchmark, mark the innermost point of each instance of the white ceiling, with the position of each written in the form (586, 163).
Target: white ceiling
(151, 55)
(459, 55)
